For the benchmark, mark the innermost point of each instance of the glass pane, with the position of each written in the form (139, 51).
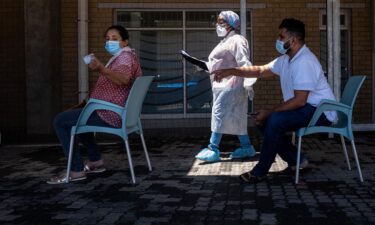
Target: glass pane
(207, 19)
(324, 20)
(344, 55)
(155, 19)
(342, 20)
(201, 19)
(159, 55)
(199, 95)
(344, 58)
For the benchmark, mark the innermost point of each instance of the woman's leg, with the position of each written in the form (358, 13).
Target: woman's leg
(63, 124)
(215, 140)
(88, 139)
(212, 153)
(246, 149)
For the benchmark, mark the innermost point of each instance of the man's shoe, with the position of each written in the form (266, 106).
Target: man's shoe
(250, 178)
(208, 155)
(240, 153)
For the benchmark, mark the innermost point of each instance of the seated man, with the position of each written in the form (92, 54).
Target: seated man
(303, 86)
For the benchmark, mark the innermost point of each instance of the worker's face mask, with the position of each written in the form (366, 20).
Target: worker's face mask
(221, 31)
(280, 46)
(112, 47)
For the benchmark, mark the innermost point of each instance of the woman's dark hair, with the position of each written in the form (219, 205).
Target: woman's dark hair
(122, 31)
(295, 27)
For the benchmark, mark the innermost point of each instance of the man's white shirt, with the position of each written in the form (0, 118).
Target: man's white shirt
(303, 72)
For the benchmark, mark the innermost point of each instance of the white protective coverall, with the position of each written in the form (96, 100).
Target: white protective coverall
(230, 105)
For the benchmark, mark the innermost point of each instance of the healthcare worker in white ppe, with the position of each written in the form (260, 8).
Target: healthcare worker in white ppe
(230, 104)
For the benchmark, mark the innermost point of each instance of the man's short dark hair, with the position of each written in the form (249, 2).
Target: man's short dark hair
(295, 27)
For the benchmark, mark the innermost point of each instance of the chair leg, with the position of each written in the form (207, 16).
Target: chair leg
(71, 148)
(130, 160)
(345, 152)
(356, 160)
(298, 159)
(146, 152)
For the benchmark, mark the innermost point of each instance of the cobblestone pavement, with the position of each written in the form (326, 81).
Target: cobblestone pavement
(182, 190)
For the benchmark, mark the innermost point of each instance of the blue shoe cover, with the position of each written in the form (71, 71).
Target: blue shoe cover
(202, 153)
(240, 153)
(208, 155)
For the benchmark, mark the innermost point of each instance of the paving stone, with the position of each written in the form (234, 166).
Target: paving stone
(182, 190)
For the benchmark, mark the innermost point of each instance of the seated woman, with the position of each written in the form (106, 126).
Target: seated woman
(113, 85)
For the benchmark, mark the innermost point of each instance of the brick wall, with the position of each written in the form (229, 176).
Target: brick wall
(12, 78)
(265, 24)
(100, 20)
(361, 59)
(265, 31)
(69, 45)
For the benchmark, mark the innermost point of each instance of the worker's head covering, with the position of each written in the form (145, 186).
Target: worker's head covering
(231, 18)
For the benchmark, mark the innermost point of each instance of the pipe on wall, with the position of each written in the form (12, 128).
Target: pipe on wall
(243, 17)
(334, 48)
(83, 78)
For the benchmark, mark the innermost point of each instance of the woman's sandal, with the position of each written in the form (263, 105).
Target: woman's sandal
(94, 169)
(250, 178)
(61, 179)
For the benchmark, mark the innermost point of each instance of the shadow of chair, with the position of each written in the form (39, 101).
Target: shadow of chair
(130, 115)
(343, 127)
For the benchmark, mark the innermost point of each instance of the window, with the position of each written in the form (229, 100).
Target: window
(158, 37)
(345, 44)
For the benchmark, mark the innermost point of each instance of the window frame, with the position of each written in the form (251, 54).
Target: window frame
(184, 29)
(346, 27)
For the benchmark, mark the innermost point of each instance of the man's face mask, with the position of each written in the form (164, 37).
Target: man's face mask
(280, 46)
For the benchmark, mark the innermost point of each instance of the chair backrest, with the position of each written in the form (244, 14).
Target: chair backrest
(348, 97)
(135, 99)
(351, 90)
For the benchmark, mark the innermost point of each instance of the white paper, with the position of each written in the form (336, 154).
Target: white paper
(88, 58)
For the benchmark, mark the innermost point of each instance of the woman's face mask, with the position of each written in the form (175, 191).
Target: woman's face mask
(112, 47)
(221, 31)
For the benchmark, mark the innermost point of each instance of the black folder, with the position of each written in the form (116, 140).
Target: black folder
(201, 64)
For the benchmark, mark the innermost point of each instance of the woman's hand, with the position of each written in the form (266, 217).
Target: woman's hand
(262, 115)
(96, 65)
(115, 76)
(220, 74)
